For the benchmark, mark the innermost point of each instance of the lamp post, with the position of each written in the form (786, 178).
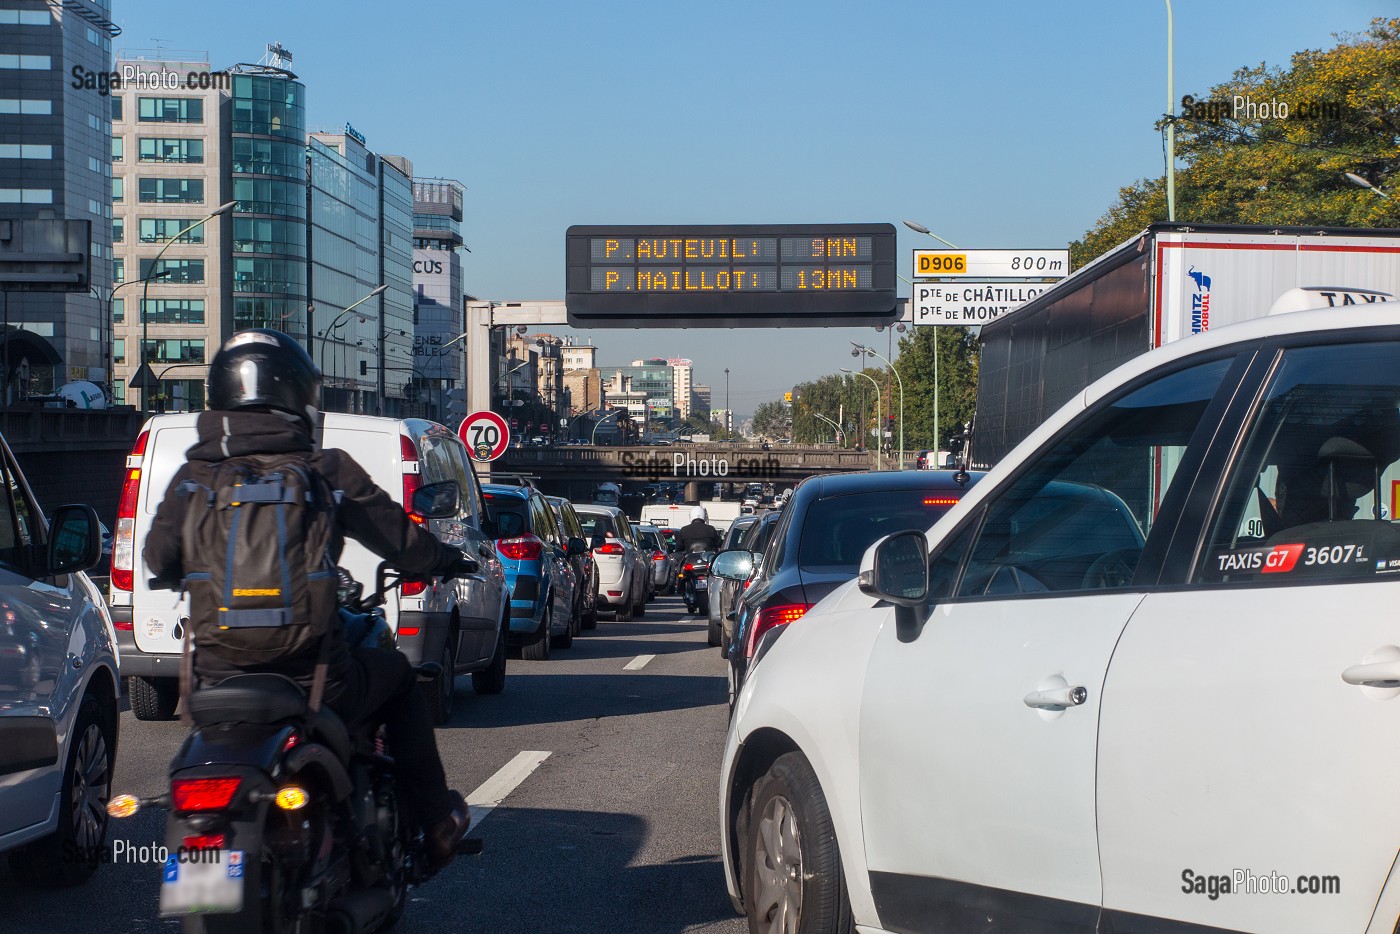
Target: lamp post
(161, 378)
(1360, 182)
(861, 349)
(111, 306)
(593, 438)
(340, 318)
(728, 412)
(155, 264)
(835, 427)
(880, 438)
(1171, 123)
(920, 228)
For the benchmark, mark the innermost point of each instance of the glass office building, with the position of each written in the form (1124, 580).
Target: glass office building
(55, 161)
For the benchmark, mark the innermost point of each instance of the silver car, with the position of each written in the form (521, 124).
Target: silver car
(58, 688)
(664, 564)
(622, 578)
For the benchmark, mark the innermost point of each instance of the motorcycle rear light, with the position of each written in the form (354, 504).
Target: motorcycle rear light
(412, 586)
(609, 550)
(688, 566)
(203, 794)
(772, 617)
(205, 841)
(291, 740)
(521, 548)
(409, 630)
(123, 806)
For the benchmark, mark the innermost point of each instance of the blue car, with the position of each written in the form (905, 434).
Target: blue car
(535, 554)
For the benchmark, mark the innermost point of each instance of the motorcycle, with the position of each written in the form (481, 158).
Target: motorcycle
(281, 819)
(694, 581)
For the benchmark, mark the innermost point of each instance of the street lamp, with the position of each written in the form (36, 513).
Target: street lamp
(155, 264)
(920, 228)
(1360, 182)
(728, 412)
(111, 305)
(161, 378)
(859, 349)
(880, 437)
(835, 427)
(1171, 123)
(325, 335)
(593, 438)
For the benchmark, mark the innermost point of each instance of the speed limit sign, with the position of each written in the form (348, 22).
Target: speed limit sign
(485, 434)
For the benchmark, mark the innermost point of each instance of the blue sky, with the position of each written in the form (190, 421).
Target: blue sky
(996, 124)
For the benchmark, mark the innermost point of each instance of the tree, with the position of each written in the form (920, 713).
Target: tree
(772, 420)
(1253, 165)
(957, 383)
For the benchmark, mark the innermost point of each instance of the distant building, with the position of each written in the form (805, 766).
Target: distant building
(585, 389)
(580, 357)
(682, 375)
(700, 401)
(656, 380)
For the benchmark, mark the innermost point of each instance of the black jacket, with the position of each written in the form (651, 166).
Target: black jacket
(699, 532)
(366, 513)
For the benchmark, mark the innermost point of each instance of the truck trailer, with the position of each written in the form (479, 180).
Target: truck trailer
(1165, 284)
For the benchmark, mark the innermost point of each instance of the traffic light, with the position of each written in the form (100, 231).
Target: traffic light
(456, 403)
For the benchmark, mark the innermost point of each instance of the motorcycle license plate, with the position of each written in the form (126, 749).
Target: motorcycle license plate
(702, 584)
(208, 881)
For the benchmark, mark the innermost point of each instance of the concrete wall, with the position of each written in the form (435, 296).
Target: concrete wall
(71, 455)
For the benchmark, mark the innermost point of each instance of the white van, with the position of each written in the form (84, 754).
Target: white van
(459, 626)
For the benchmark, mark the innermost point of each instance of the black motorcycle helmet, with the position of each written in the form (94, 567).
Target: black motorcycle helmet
(262, 368)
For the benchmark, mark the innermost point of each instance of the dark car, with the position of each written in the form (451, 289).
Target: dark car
(535, 557)
(586, 594)
(820, 537)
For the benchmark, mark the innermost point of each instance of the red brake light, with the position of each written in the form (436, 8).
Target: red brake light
(940, 500)
(771, 617)
(411, 481)
(412, 586)
(658, 555)
(203, 794)
(521, 548)
(205, 841)
(124, 538)
(611, 549)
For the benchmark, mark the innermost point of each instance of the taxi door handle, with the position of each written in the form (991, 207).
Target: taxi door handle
(1374, 674)
(1056, 698)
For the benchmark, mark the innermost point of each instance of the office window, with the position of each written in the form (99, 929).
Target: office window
(118, 148)
(119, 349)
(116, 107)
(174, 310)
(94, 122)
(25, 151)
(118, 226)
(118, 392)
(25, 18)
(156, 149)
(174, 351)
(11, 105)
(165, 190)
(118, 310)
(181, 271)
(119, 188)
(26, 62)
(170, 110)
(26, 196)
(118, 269)
(93, 37)
(161, 229)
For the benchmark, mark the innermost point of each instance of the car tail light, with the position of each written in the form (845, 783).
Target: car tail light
(658, 556)
(771, 617)
(412, 586)
(412, 480)
(522, 548)
(203, 794)
(609, 550)
(940, 500)
(124, 541)
(410, 630)
(205, 841)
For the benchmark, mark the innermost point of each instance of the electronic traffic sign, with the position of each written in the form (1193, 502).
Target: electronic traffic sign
(485, 434)
(753, 275)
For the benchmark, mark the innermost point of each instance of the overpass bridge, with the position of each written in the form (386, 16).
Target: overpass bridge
(575, 470)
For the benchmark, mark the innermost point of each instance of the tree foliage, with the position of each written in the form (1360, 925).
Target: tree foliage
(772, 420)
(1251, 165)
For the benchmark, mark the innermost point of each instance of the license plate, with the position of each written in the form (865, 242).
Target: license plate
(702, 584)
(210, 881)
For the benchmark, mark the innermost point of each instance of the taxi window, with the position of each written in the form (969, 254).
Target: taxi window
(1315, 493)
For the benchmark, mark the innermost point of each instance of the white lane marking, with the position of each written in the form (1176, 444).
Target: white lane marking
(494, 790)
(638, 662)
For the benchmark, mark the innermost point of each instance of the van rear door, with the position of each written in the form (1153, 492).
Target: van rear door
(158, 616)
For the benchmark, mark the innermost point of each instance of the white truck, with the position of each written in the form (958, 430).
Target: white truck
(1167, 283)
(677, 515)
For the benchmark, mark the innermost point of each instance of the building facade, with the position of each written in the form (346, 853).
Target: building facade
(580, 356)
(55, 161)
(682, 377)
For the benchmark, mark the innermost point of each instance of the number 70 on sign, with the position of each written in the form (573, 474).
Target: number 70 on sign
(486, 435)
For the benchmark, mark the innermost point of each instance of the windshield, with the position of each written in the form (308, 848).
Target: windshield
(508, 512)
(595, 525)
(837, 531)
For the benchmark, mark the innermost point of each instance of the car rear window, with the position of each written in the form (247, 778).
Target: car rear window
(595, 525)
(509, 514)
(837, 531)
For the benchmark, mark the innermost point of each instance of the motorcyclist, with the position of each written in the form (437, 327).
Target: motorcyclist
(699, 535)
(264, 393)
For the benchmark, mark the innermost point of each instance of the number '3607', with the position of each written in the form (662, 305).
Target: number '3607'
(1337, 554)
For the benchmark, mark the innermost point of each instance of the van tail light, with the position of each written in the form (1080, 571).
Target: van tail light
(412, 586)
(412, 480)
(771, 617)
(124, 539)
(609, 550)
(203, 794)
(522, 548)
